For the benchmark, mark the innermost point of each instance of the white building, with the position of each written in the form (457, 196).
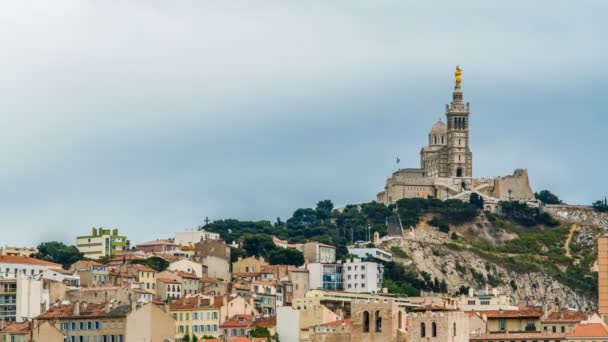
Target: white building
(365, 253)
(483, 300)
(362, 276)
(102, 242)
(62, 276)
(191, 237)
(12, 265)
(187, 266)
(325, 276)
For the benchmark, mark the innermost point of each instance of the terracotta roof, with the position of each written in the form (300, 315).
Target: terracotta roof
(517, 336)
(168, 257)
(17, 328)
(90, 262)
(246, 339)
(511, 313)
(326, 245)
(87, 310)
(241, 287)
(246, 274)
(589, 330)
(168, 280)
(567, 316)
(238, 321)
(187, 275)
(208, 280)
(192, 303)
(265, 322)
(15, 259)
(158, 242)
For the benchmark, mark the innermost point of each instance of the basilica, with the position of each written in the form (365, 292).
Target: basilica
(446, 164)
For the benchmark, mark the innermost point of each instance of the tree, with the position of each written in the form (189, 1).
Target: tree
(324, 209)
(260, 332)
(186, 338)
(194, 338)
(257, 245)
(59, 253)
(285, 256)
(156, 263)
(601, 205)
(547, 197)
(476, 200)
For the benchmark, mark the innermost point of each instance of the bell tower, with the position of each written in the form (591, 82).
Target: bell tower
(460, 158)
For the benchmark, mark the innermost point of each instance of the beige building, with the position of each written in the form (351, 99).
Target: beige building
(564, 321)
(446, 165)
(298, 277)
(316, 252)
(92, 273)
(149, 323)
(196, 315)
(438, 325)
(234, 306)
(248, 265)
(214, 254)
(513, 321)
(18, 251)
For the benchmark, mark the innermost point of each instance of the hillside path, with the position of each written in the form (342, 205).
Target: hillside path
(573, 228)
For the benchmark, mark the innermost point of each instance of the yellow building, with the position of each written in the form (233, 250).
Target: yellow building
(145, 275)
(18, 251)
(248, 265)
(513, 321)
(198, 316)
(602, 275)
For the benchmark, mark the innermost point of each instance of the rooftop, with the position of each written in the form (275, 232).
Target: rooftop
(589, 330)
(512, 313)
(17, 328)
(516, 336)
(238, 321)
(15, 259)
(567, 316)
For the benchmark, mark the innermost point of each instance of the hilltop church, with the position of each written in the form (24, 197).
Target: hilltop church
(446, 165)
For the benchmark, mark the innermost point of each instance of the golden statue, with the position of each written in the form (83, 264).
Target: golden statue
(458, 76)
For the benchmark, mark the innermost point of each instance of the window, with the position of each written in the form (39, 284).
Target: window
(454, 329)
(502, 324)
(365, 321)
(563, 329)
(422, 330)
(378, 321)
(434, 329)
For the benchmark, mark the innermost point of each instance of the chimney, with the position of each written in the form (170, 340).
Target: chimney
(108, 307)
(77, 308)
(211, 300)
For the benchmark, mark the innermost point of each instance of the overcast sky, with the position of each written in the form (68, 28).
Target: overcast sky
(148, 116)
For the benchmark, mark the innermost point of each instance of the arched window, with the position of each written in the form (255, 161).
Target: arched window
(435, 140)
(378, 321)
(434, 329)
(365, 321)
(454, 328)
(400, 318)
(442, 139)
(422, 330)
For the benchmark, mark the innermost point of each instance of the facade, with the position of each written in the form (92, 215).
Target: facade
(446, 165)
(214, 254)
(299, 280)
(18, 251)
(92, 273)
(196, 315)
(513, 321)
(158, 246)
(376, 253)
(362, 276)
(248, 265)
(440, 325)
(267, 296)
(483, 300)
(12, 266)
(236, 305)
(325, 276)
(102, 242)
(167, 288)
(189, 238)
(237, 326)
(8, 300)
(564, 321)
(22, 298)
(144, 275)
(149, 323)
(188, 266)
(318, 252)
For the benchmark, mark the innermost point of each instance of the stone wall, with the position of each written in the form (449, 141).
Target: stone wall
(438, 326)
(518, 183)
(377, 320)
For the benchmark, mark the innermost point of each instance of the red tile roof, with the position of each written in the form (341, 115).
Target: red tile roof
(187, 275)
(192, 303)
(90, 262)
(238, 321)
(17, 328)
(15, 259)
(567, 316)
(589, 330)
(512, 313)
(168, 280)
(265, 322)
(143, 268)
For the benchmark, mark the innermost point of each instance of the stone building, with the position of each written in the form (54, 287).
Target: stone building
(438, 324)
(214, 254)
(446, 165)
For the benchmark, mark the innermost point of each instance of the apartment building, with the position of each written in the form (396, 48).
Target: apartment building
(102, 242)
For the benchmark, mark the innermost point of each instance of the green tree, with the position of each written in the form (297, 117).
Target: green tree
(260, 332)
(601, 205)
(186, 338)
(156, 263)
(547, 197)
(59, 253)
(285, 256)
(257, 245)
(324, 209)
(476, 200)
(194, 338)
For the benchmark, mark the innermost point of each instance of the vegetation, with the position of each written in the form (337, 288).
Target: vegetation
(448, 211)
(59, 253)
(525, 215)
(547, 197)
(285, 256)
(261, 332)
(601, 205)
(156, 263)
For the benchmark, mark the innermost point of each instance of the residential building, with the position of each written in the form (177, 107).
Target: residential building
(11, 266)
(248, 265)
(274, 272)
(299, 279)
(8, 300)
(237, 326)
(325, 276)
(564, 321)
(236, 305)
(102, 242)
(16, 332)
(167, 288)
(267, 296)
(91, 273)
(588, 332)
(22, 298)
(18, 251)
(362, 276)
(144, 275)
(149, 323)
(190, 238)
(80, 322)
(158, 246)
(483, 300)
(214, 287)
(190, 283)
(602, 275)
(188, 266)
(199, 315)
(214, 254)
(61, 275)
(316, 252)
(511, 321)
(519, 337)
(366, 253)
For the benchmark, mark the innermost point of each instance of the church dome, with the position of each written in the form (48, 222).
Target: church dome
(439, 128)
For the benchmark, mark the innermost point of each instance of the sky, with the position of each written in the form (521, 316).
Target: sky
(149, 116)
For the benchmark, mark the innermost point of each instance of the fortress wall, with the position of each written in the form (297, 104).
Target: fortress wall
(518, 183)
